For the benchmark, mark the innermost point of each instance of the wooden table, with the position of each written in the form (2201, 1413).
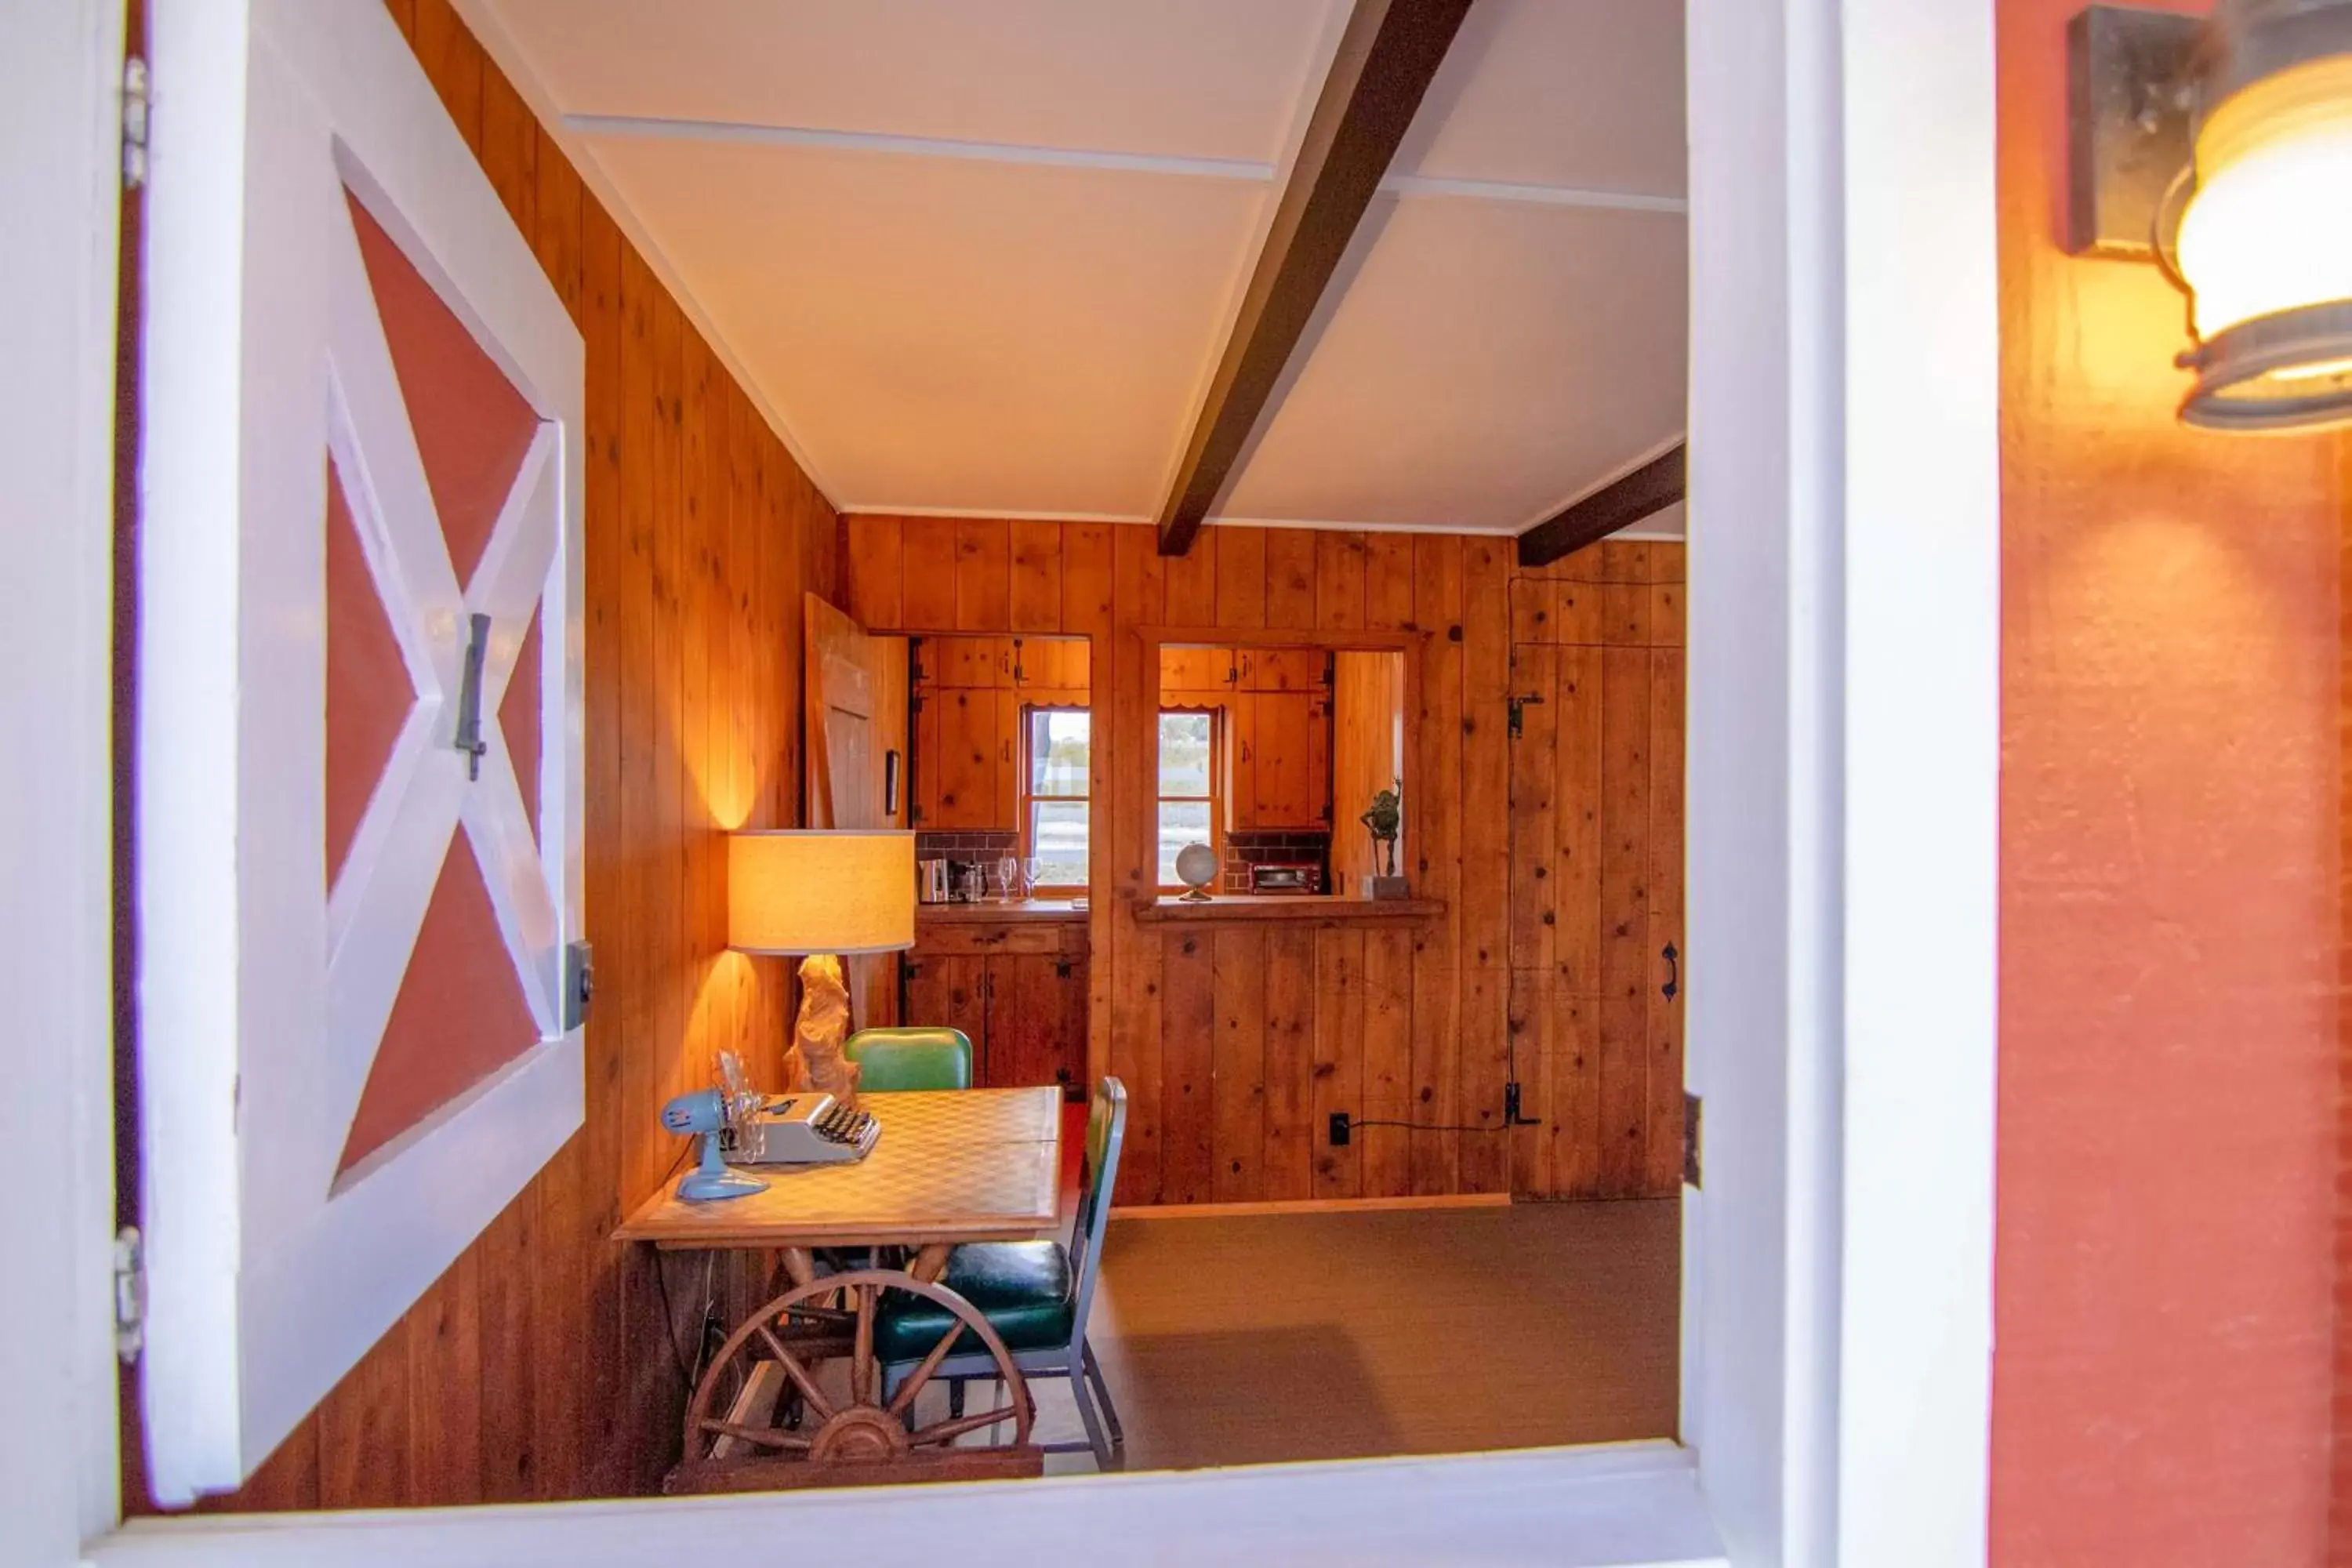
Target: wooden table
(976, 1164)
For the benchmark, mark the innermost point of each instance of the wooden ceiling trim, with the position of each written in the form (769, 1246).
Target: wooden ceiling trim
(1386, 59)
(1648, 490)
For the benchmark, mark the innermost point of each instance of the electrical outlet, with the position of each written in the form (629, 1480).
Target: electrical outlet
(1340, 1130)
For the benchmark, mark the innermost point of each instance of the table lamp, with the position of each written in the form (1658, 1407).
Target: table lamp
(819, 895)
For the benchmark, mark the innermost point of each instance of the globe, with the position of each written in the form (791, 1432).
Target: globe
(1196, 868)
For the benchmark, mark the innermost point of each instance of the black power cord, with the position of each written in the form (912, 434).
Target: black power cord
(1343, 1127)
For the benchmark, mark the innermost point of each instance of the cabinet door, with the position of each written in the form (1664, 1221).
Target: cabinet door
(1037, 1017)
(1241, 761)
(953, 994)
(1194, 670)
(1287, 751)
(978, 664)
(1283, 668)
(956, 760)
(1057, 665)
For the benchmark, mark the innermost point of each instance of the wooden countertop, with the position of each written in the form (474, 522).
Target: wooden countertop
(1237, 908)
(1026, 912)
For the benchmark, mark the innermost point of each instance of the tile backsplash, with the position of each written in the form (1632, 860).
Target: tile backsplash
(981, 846)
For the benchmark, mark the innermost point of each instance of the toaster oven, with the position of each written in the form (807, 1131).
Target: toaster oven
(1287, 877)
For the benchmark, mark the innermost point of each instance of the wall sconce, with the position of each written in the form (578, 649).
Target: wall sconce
(2223, 149)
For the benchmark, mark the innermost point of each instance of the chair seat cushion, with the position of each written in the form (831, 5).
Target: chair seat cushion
(1022, 1288)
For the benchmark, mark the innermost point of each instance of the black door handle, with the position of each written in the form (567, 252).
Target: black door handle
(1674, 972)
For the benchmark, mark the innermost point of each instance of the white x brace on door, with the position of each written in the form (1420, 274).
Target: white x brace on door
(359, 748)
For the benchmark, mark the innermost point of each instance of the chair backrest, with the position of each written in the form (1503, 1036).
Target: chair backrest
(1106, 1130)
(892, 1060)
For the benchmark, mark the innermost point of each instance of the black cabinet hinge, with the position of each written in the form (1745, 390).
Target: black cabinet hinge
(1518, 704)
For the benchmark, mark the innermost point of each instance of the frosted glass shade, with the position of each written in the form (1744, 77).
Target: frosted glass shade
(2270, 227)
(795, 892)
(2266, 246)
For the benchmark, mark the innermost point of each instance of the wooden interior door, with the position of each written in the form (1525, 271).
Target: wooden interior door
(856, 726)
(1595, 896)
(359, 766)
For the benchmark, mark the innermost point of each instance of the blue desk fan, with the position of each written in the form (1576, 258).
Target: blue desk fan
(712, 1114)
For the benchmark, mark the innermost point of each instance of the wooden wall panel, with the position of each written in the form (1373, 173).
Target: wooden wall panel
(1237, 1044)
(1437, 865)
(1036, 585)
(1240, 577)
(1239, 1065)
(983, 575)
(1485, 860)
(537, 1366)
(1188, 1028)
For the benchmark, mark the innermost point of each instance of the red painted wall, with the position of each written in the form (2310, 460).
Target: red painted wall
(2170, 962)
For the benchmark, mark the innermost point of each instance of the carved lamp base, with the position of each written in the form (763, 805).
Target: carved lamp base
(815, 1061)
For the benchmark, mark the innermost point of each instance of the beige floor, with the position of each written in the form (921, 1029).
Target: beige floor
(1242, 1340)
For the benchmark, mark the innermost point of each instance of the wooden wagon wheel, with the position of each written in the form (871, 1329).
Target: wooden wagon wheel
(864, 1428)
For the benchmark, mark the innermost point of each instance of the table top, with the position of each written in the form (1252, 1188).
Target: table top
(976, 1164)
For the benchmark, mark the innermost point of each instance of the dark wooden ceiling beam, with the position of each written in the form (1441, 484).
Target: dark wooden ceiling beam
(1387, 58)
(1648, 490)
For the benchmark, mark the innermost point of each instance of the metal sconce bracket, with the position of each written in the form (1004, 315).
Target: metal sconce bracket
(2130, 91)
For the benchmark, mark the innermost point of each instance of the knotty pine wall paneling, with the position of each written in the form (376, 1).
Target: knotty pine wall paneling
(540, 1366)
(1237, 1045)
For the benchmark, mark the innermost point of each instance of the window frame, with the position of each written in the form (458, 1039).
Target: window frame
(1026, 799)
(1219, 782)
(1769, 1480)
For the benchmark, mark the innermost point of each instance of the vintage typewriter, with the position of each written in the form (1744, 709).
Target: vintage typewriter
(804, 1130)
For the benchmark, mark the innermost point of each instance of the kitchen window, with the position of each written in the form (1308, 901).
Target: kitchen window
(1189, 745)
(1057, 745)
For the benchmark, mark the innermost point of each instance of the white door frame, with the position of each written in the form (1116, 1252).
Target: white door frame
(1844, 691)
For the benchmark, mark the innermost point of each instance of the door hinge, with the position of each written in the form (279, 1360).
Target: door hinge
(1693, 1119)
(1518, 705)
(579, 984)
(130, 1293)
(137, 102)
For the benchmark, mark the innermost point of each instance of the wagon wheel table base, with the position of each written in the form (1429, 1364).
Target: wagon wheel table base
(950, 1167)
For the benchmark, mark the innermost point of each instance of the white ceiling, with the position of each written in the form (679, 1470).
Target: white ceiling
(982, 257)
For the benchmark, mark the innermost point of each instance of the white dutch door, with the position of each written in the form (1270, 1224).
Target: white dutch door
(359, 751)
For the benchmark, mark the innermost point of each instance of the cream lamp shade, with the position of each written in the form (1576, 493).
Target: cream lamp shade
(792, 892)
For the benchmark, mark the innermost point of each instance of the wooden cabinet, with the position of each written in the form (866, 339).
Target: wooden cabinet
(966, 743)
(969, 693)
(1189, 676)
(1283, 668)
(1019, 993)
(1055, 669)
(974, 664)
(1280, 750)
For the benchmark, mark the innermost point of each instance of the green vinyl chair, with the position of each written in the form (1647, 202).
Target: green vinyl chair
(1034, 1294)
(890, 1061)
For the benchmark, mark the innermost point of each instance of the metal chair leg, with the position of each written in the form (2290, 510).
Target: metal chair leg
(1106, 1457)
(1090, 1374)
